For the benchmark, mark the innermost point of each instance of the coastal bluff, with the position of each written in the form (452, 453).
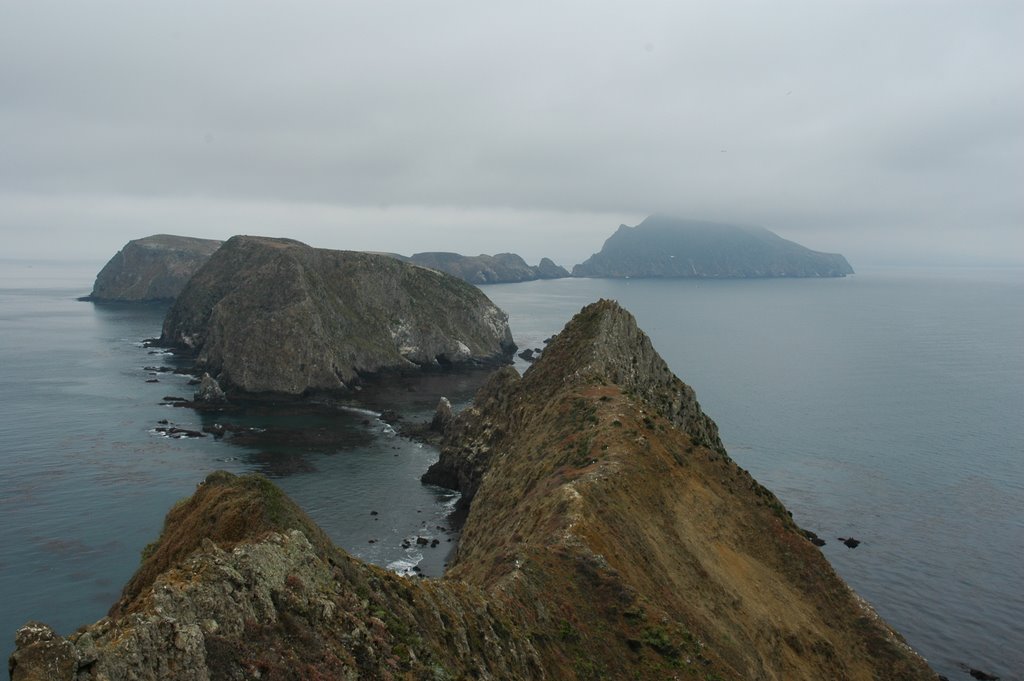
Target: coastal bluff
(667, 247)
(268, 315)
(609, 536)
(154, 268)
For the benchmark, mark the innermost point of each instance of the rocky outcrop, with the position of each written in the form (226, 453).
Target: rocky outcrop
(547, 269)
(663, 246)
(609, 536)
(151, 269)
(503, 268)
(275, 315)
(209, 391)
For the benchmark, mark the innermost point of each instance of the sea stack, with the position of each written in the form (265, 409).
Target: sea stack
(155, 268)
(667, 247)
(275, 315)
(609, 536)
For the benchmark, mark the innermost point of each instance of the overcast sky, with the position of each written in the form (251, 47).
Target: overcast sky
(890, 131)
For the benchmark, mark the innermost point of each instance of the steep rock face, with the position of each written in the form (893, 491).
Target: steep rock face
(663, 246)
(609, 537)
(274, 315)
(502, 268)
(154, 268)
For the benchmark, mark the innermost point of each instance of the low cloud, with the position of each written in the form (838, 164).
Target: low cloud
(886, 131)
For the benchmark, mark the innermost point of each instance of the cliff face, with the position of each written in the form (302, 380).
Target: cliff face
(609, 536)
(502, 268)
(663, 246)
(274, 315)
(154, 268)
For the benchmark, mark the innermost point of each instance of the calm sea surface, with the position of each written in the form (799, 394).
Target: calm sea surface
(887, 406)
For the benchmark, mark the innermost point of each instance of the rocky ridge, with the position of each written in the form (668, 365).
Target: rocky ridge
(154, 268)
(664, 246)
(609, 536)
(275, 315)
(488, 269)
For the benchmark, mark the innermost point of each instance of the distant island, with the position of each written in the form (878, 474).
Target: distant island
(157, 268)
(609, 536)
(152, 268)
(667, 247)
(276, 315)
(502, 268)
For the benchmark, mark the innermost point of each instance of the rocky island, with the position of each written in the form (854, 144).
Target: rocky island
(155, 268)
(503, 268)
(664, 246)
(275, 315)
(609, 535)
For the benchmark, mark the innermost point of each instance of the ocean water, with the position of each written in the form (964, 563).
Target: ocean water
(886, 406)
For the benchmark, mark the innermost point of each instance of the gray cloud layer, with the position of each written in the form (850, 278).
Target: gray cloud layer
(885, 130)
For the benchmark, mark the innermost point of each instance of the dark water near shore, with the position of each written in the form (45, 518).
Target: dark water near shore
(888, 406)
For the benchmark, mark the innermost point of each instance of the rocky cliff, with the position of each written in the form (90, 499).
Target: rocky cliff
(609, 536)
(502, 268)
(154, 268)
(663, 246)
(275, 315)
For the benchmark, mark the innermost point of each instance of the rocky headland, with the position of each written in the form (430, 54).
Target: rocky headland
(277, 316)
(502, 268)
(155, 268)
(663, 246)
(609, 535)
